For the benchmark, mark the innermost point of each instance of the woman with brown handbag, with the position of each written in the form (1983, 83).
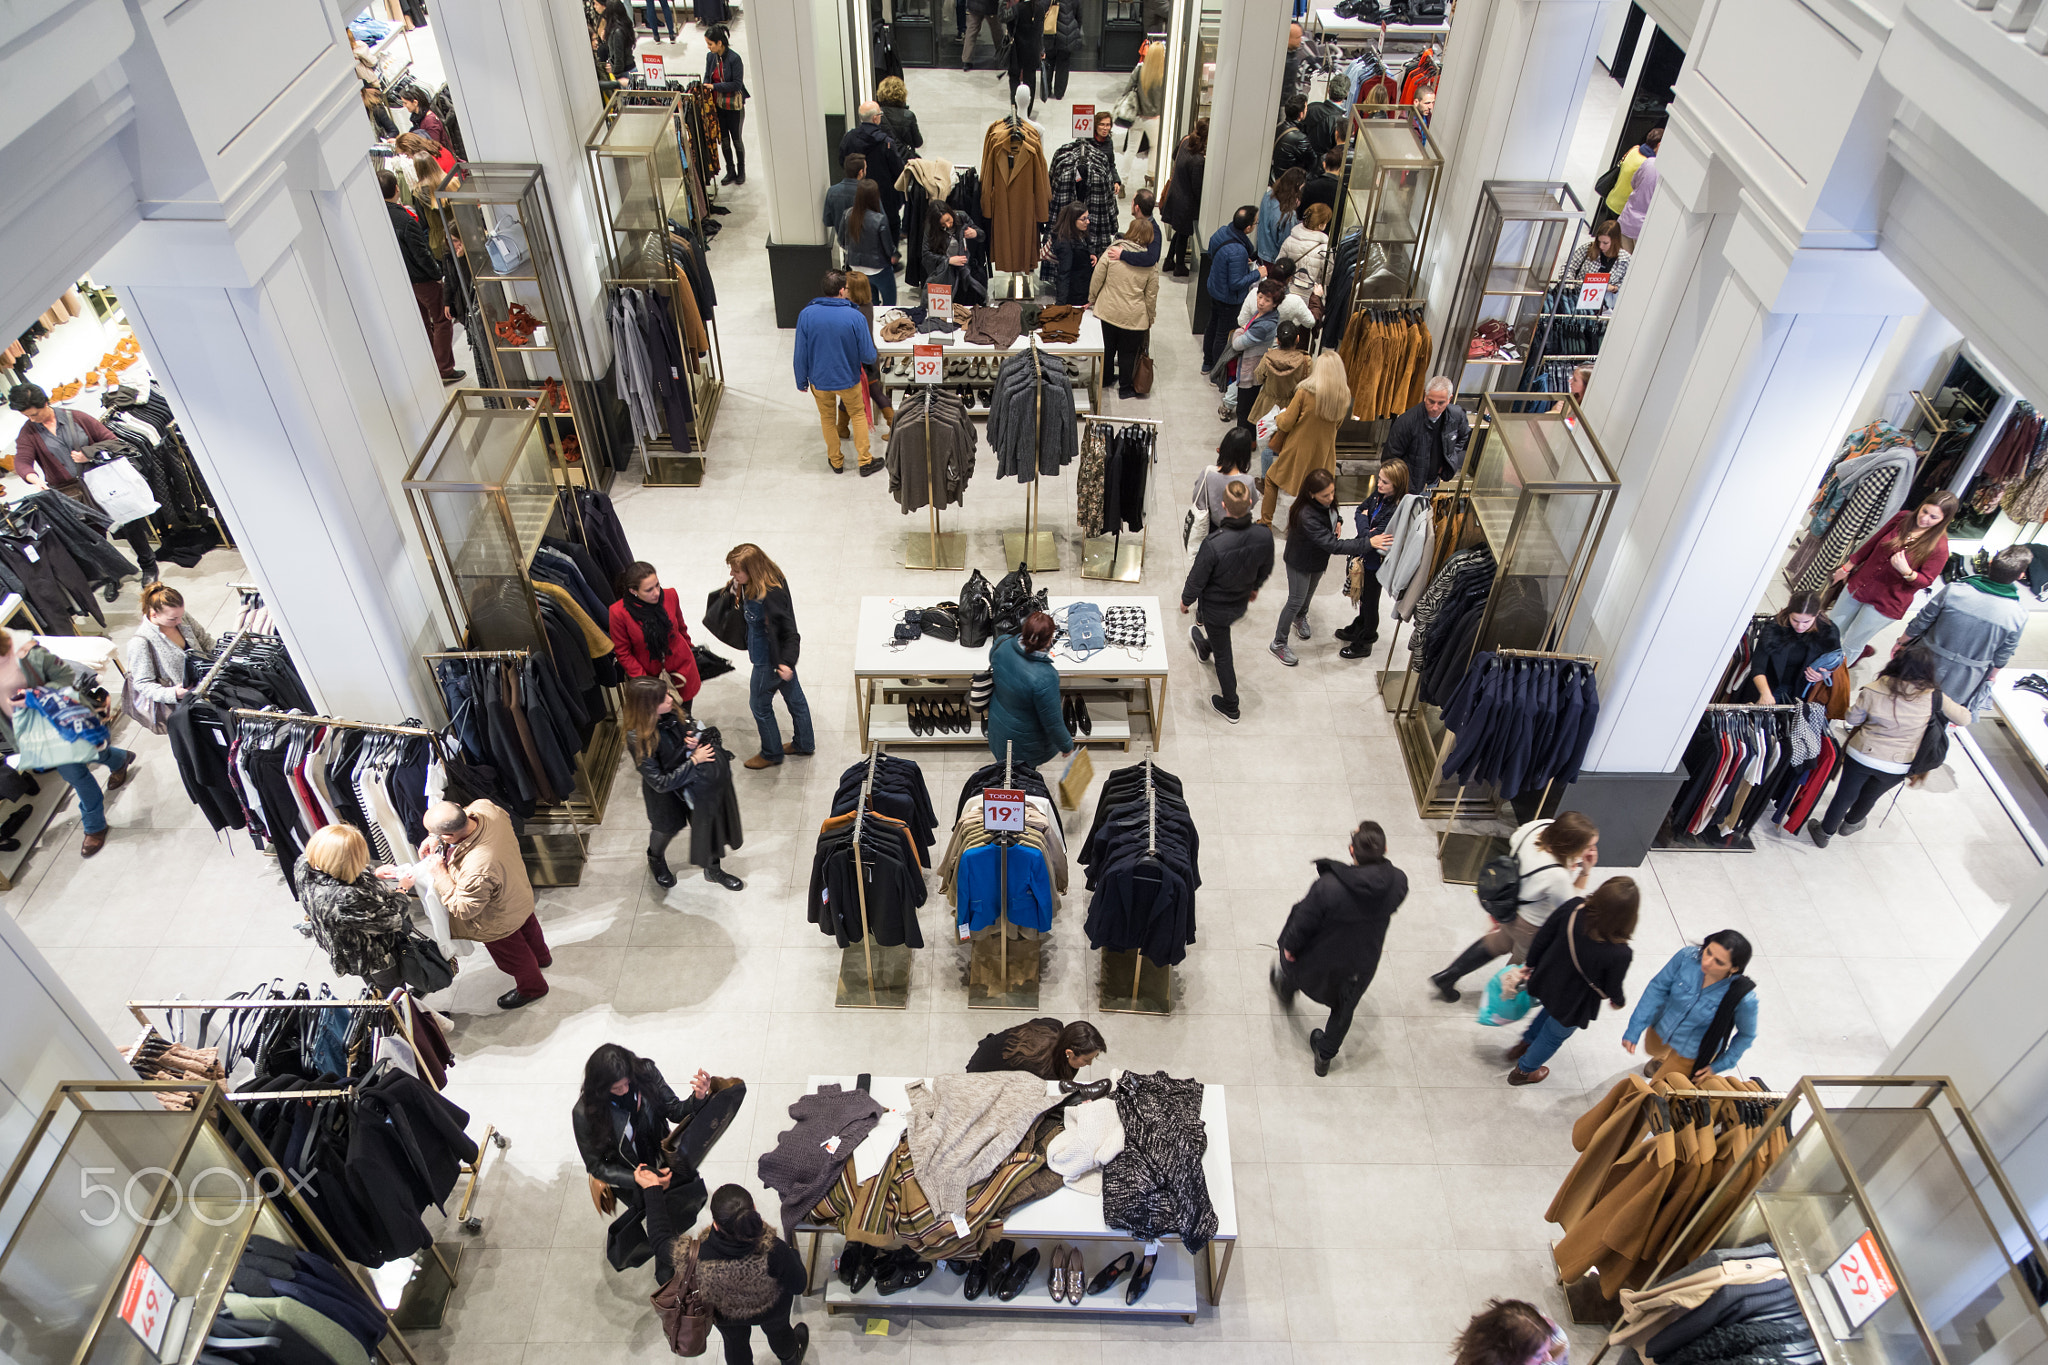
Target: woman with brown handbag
(1580, 957)
(746, 1275)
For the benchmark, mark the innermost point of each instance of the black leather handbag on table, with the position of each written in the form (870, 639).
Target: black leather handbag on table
(724, 618)
(977, 611)
(1014, 601)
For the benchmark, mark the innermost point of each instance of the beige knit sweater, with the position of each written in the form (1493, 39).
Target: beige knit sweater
(961, 1127)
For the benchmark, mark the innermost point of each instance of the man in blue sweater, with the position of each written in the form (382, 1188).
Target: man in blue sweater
(1232, 273)
(832, 343)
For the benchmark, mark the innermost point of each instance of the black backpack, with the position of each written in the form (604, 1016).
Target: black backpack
(977, 611)
(1500, 884)
(1933, 751)
(1014, 601)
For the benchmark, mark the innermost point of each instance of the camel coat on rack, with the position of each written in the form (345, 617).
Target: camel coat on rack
(1016, 193)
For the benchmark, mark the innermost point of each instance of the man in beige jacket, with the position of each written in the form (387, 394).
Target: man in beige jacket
(473, 857)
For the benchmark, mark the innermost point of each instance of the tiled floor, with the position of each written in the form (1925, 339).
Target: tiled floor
(1379, 1206)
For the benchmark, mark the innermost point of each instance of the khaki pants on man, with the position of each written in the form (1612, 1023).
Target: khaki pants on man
(835, 406)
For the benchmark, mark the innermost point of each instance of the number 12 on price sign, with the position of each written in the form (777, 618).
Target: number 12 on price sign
(1002, 811)
(1861, 1279)
(927, 364)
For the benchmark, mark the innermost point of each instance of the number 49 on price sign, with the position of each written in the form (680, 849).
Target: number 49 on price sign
(1002, 811)
(147, 1303)
(927, 364)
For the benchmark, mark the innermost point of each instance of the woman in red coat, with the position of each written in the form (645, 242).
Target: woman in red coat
(1881, 577)
(648, 634)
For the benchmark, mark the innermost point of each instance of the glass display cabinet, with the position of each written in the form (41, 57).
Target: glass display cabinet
(1523, 233)
(1391, 172)
(651, 199)
(483, 491)
(526, 321)
(1536, 490)
(1902, 1239)
(125, 1221)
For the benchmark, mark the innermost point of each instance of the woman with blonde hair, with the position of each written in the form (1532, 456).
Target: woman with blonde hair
(359, 917)
(772, 647)
(157, 655)
(1308, 246)
(894, 97)
(863, 296)
(1148, 85)
(685, 780)
(1305, 434)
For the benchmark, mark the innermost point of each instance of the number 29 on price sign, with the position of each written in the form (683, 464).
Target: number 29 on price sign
(1861, 1279)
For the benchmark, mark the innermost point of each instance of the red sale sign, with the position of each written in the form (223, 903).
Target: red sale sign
(1861, 1279)
(927, 364)
(146, 1303)
(1084, 120)
(1002, 810)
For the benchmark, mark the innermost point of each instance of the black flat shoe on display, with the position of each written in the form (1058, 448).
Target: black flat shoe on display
(905, 1271)
(1081, 713)
(658, 865)
(1106, 1278)
(1141, 1280)
(856, 1265)
(1017, 1278)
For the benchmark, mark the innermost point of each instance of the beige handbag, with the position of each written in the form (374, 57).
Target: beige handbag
(1052, 18)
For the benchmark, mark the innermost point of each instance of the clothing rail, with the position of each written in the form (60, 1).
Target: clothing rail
(1750, 706)
(247, 1095)
(337, 721)
(481, 654)
(229, 646)
(1546, 654)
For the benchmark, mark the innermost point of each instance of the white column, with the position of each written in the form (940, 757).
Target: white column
(795, 163)
(286, 336)
(521, 76)
(1727, 380)
(1251, 57)
(1515, 73)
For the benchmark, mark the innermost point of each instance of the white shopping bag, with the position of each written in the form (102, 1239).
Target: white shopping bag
(120, 490)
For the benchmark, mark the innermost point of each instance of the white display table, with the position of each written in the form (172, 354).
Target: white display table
(1066, 1215)
(877, 665)
(896, 362)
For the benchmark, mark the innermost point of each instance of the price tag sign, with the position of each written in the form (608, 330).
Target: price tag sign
(1084, 120)
(146, 1303)
(1002, 811)
(938, 301)
(1861, 1279)
(653, 67)
(927, 364)
(1593, 290)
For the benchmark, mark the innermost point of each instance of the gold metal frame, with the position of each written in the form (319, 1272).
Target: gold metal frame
(1427, 158)
(871, 976)
(1107, 557)
(1002, 977)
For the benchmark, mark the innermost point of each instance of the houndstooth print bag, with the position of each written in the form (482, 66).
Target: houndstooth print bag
(1125, 627)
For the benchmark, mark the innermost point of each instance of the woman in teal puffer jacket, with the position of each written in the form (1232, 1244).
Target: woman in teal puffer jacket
(1025, 709)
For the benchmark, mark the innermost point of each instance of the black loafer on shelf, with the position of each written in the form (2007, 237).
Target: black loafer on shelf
(1017, 1278)
(1106, 1278)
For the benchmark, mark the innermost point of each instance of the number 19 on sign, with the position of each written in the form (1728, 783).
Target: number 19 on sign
(1002, 811)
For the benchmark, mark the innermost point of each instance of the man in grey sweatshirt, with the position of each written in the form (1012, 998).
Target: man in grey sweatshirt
(1973, 627)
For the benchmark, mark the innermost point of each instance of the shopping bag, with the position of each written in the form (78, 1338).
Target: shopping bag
(684, 1319)
(120, 490)
(1074, 781)
(1507, 996)
(40, 745)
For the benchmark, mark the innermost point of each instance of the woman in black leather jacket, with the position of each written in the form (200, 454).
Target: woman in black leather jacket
(1374, 522)
(1311, 539)
(682, 773)
(620, 1120)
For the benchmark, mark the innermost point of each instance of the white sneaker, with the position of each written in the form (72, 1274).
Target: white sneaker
(1281, 652)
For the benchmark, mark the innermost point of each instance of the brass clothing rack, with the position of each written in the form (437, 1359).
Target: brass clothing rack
(1033, 548)
(303, 719)
(1002, 992)
(942, 549)
(1158, 997)
(1115, 562)
(890, 990)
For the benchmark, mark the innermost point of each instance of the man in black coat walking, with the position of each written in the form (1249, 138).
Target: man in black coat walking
(886, 158)
(1330, 948)
(1229, 569)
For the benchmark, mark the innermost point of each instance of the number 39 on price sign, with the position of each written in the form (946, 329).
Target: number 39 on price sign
(927, 364)
(1861, 1279)
(1002, 811)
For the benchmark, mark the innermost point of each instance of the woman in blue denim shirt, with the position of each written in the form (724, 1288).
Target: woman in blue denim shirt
(772, 647)
(1684, 1004)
